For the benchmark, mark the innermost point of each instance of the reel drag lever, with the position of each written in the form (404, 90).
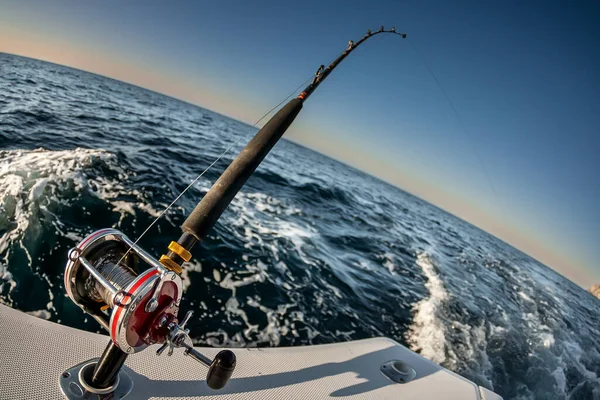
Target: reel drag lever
(219, 369)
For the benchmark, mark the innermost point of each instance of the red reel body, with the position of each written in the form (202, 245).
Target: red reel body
(101, 275)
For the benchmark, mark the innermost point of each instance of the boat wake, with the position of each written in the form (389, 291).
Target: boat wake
(426, 333)
(534, 341)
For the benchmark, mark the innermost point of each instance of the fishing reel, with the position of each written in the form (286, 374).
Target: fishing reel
(136, 298)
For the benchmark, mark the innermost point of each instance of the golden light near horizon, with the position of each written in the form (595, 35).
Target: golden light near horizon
(123, 67)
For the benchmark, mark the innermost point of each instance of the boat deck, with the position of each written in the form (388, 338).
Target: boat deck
(35, 352)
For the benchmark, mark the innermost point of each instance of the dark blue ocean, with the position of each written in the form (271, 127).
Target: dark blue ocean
(310, 251)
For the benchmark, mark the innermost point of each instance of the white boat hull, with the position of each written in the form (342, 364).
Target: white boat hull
(35, 352)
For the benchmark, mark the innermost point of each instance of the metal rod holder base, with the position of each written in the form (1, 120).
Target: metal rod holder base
(73, 388)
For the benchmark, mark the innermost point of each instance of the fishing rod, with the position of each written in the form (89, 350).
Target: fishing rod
(139, 307)
(207, 212)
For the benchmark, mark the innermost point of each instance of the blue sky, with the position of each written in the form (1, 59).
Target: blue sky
(523, 77)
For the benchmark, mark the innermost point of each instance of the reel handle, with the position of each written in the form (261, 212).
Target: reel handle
(220, 368)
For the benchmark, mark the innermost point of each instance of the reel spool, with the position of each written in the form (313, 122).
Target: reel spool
(135, 307)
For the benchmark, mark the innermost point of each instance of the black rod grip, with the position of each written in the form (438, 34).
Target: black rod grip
(212, 205)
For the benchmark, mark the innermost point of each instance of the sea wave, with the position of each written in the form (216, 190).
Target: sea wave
(310, 251)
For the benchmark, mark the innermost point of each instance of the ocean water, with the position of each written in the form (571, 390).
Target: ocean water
(310, 251)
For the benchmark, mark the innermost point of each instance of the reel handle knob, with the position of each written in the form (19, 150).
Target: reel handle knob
(220, 369)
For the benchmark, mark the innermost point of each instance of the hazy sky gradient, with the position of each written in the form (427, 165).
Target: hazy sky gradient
(523, 76)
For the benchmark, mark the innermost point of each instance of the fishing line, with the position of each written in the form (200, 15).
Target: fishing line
(207, 168)
(291, 94)
(462, 126)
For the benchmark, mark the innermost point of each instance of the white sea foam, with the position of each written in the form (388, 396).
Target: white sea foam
(571, 359)
(267, 222)
(388, 262)
(524, 296)
(32, 179)
(280, 321)
(43, 314)
(217, 275)
(426, 333)
(26, 177)
(147, 207)
(6, 279)
(229, 283)
(190, 266)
